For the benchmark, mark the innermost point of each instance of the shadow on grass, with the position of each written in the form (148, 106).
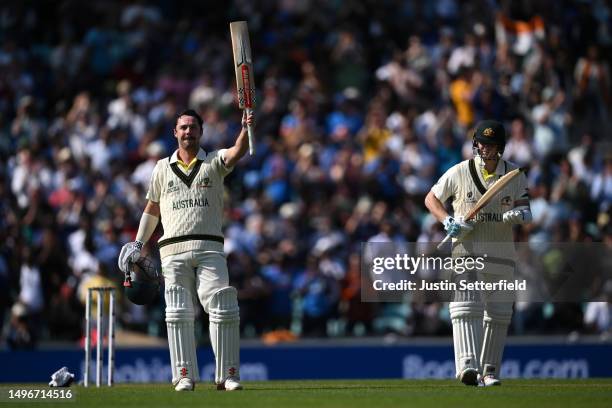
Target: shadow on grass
(331, 387)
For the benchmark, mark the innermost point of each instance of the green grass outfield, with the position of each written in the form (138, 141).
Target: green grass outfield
(343, 393)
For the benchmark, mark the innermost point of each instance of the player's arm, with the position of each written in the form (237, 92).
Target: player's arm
(130, 252)
(148, 222)
(239, 149)
(442, 191)
(521, 212)
(453, 227)
(435, 207)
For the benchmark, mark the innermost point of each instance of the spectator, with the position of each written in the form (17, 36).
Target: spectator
(462, 91)
(549, 124)
(519, 148)
(142, 173)
(598, 315)
(592, 76)
(21, 333)
(319, 297)
(601, 189)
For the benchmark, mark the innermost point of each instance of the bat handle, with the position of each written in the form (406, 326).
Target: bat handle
(444, 241)
(251, 135)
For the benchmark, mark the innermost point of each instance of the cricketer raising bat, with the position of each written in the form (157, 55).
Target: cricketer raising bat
(487, 197)
(243, 64)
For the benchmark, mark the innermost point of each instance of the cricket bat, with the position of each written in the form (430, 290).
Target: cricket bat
(243, 65)
(487, 197)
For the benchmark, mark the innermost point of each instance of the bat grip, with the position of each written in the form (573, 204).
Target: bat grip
(444, 241)
(251, 135)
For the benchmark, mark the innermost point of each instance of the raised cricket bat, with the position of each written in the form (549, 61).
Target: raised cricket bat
(487, 197)
(243, 64)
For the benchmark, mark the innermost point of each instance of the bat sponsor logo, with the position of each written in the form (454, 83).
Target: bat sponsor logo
(246, 82)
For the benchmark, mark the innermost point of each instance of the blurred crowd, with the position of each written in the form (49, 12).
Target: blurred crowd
(362, 105)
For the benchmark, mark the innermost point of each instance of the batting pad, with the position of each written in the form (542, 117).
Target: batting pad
(497, 317)
(181, 333)
(467, 334)
(224, 328)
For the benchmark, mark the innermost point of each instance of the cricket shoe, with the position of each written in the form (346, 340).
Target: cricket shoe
(490, 380)
(230, 384)
(469, 376)
(185, 384)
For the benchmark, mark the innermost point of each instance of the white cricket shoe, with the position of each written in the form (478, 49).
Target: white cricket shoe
(230, 384)
(185, 384)
(469, 376)
(490, 380)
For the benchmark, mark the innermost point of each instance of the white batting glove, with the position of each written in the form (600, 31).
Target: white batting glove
(61, 378)
(457, 227)
(130, 253)
(517, 216)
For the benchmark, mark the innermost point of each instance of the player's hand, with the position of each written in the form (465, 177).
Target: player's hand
(247, 120)
(457, 227)
(130, 253)
(513, 217)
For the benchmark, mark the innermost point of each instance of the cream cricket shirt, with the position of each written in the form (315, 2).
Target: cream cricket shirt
(191, 202)
(464, 184)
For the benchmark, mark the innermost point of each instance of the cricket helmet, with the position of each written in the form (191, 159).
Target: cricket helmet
(490, 132)
(142, 282)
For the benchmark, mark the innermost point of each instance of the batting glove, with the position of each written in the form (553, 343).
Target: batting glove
(517, 216)
(457, 228)
(61, 378)
(130, 253)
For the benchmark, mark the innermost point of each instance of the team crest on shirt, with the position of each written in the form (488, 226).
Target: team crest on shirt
(506, 201)
(469, 197)
(205, 183)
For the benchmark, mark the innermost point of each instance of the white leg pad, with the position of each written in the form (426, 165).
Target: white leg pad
(181, 333)
(224, 328)
(467, 334)
(497, 317)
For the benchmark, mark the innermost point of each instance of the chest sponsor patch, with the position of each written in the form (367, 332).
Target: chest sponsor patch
(470, 197)
(173, 187)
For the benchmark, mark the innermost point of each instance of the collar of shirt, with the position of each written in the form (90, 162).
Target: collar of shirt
(175, 159)
(499, 170)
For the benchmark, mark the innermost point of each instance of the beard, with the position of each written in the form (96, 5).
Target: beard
(189, 142)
